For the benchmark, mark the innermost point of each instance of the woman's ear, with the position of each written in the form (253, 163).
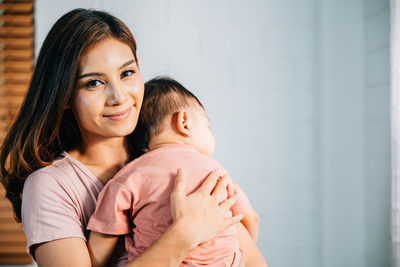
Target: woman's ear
(182, 123)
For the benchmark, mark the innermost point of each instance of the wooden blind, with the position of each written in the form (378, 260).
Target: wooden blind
(16, 60)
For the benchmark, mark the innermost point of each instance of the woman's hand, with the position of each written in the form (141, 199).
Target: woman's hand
(197, 217)
(201, 215)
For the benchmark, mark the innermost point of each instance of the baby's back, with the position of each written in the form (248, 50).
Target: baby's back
(150, 179)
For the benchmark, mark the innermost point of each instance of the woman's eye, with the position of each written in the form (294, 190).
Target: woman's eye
(92, 83)
(127, 73)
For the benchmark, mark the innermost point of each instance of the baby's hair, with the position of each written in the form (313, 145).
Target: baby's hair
(163, 97)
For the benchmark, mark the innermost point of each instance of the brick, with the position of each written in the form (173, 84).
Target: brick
(282, 257)
(292, 233)
(170, 43)
(378, 175)
(310, 257)
(269, 71)
(377, 31)
(289, 40)
(138, 13)
(208, 13)
(304, 12)
(262, 12)
(305, 71)
(378, 139)
(203, 77)
(236, 43)
(375, 6)
(149, 68)
(377, 103)
(378, 67)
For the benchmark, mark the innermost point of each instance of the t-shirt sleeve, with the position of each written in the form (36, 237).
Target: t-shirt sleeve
(48, 212)
(243, 203)
(112, 210)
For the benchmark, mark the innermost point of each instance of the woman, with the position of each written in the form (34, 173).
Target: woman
(74, 132)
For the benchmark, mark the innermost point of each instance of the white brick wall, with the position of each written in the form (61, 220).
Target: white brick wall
(377, 104)
(286, 108)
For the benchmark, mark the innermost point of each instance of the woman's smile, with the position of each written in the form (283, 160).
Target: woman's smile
(119, 116)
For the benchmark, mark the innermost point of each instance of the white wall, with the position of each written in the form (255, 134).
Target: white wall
(342, 133)
(283, 83)
(377, 142)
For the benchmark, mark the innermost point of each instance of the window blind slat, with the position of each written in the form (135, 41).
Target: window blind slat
(12, 43)
(14, 66)
(16, 8)
(16, 31)
(12, 90)
(12, 237)
(15, 258)
(18, 55)
(10, 102)
(16, 20)
(15, 78)
(12, 248)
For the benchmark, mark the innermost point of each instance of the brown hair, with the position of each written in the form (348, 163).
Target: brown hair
(163, 96)
(43, 128)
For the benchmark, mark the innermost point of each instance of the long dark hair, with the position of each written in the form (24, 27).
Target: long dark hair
(43, 127)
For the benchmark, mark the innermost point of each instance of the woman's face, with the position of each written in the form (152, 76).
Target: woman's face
(109, 91)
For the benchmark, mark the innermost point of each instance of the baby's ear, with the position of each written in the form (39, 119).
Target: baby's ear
(182, 123)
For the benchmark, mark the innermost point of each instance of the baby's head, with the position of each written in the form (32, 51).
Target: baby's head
(172, 114)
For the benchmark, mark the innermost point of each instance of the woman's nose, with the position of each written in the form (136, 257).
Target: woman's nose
(117, 94)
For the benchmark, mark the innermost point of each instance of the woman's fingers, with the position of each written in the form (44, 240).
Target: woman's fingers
(228, 203)
(233, 220)
(180, 182)
(177, 197)
(210, 182)
(220, 190)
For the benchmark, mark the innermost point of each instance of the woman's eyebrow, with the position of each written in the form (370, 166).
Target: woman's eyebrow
(90, 74)
(129, 62)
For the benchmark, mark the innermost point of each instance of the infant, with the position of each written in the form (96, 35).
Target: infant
(174, 131)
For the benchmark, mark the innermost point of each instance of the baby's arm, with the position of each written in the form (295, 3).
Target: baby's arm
(250, 222)
(101, 247)
(252, 254)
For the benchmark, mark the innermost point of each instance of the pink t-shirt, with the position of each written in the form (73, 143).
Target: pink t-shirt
(57, 202)
(137, 202)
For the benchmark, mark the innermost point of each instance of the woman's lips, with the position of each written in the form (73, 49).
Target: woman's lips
(119, 116)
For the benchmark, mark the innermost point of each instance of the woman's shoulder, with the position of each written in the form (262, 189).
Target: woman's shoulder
(58, 169)
(65, 176)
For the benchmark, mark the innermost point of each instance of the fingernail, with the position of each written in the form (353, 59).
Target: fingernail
(180, 171)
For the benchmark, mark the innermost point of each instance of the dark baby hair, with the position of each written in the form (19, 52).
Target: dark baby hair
(163, 97)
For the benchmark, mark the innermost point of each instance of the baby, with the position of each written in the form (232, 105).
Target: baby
(174, 131)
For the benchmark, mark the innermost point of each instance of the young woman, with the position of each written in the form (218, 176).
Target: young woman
(74, 132)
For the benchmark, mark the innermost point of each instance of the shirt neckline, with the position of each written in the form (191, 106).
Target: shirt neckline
(83, 168)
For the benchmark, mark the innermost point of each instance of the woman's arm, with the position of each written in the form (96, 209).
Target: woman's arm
(252, 255)
(250, 221)
(101, 248)
(64, 252)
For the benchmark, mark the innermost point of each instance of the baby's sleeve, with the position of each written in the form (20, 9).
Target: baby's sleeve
(48, 212)
(243, 203)
(112, 214)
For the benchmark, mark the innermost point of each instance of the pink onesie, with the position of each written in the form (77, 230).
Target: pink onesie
(137, 202)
